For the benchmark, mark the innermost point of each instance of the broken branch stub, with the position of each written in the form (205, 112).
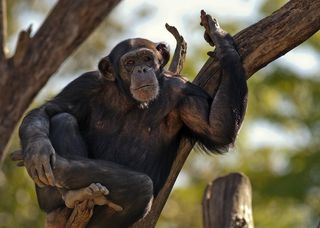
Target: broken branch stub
(180, 52)
(227, 202)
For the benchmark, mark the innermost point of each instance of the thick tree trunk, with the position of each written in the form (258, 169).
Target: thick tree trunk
(258, 45)
(37, 58)
(227, 203)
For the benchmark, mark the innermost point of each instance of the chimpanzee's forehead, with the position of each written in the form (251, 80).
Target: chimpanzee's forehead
(139, 42)
(129, 45)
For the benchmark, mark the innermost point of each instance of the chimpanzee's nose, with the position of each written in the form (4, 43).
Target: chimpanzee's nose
(141, 69)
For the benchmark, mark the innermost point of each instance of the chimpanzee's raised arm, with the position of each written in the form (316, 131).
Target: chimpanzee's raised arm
(39, 155)
(216, 125)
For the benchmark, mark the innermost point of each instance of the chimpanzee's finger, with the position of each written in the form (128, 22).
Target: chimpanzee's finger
(94, 187)
(16, 155)
(53, 160)
(87, 206)
(41, 175)
(102, 189)
(114, 206)
(34, 176)
(49, 174)
(20, 164)
(90, 204)
(211, 53)
(203, 19)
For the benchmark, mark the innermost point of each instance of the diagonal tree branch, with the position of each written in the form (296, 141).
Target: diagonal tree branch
(3, 28)
(37, 58)
(258, 45)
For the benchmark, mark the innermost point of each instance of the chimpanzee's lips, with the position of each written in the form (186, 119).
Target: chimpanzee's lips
(144, 86)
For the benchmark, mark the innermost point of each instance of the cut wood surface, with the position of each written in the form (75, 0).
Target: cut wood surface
(227, 203)
(258, 45)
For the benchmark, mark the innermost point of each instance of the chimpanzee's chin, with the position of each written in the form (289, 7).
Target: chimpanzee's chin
(146, 94)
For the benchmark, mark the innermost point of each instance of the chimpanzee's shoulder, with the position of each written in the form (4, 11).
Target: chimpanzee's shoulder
(86, 80)
(181, 85)
(90, 81)
(86, 85)
(91, 77)
(174, 82)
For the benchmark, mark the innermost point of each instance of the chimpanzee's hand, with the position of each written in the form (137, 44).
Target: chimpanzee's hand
(206, 22)
(39, 159)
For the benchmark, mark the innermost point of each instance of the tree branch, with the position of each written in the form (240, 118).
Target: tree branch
(37, 58)
(258, 45)
(269, 39)
(3, 28)
(180, 52)
(23, 43)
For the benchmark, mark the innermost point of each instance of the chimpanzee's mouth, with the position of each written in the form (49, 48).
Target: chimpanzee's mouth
(144, 86)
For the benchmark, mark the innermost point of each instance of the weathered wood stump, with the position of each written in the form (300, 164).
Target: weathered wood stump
(227, 203)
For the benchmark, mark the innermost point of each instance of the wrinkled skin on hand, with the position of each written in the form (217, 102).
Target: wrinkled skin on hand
(39, 159)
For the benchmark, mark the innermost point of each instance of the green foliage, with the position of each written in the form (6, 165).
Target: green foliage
(18, 207)
(284, 171)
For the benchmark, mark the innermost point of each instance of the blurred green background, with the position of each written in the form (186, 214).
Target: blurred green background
(278, 145)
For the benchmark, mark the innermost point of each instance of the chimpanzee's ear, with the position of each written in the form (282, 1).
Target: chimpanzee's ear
(106, 69)
(164, 50)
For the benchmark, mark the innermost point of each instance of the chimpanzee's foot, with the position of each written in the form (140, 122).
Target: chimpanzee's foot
(213, 31)
(102, 200)
(93, 191)
(217, 37)
(80, 215)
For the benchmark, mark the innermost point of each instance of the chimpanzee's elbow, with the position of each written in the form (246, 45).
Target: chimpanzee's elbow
(224, 141)
(218, 143)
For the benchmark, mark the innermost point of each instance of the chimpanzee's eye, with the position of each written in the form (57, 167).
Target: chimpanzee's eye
(130, 62)
(147, 59)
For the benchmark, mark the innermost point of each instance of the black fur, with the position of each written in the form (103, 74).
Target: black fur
(132, 142)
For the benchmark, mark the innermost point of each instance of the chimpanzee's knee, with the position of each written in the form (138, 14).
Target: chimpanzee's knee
(145, 196)
(136, 202)
(63, 121)
(139, 205)
(49, 198)
(65, 136)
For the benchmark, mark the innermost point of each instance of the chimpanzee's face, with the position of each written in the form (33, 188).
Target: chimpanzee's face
(138, 64)
(139, 69)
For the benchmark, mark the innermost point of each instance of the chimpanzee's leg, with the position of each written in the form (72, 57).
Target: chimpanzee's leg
(227, 54)
(232, 91)
(66, 138)
(131, 190)
(67, 142)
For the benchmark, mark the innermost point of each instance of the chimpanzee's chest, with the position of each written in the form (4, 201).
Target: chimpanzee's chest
(135, 137)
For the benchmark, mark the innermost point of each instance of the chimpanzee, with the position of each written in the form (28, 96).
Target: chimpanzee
(112, 135)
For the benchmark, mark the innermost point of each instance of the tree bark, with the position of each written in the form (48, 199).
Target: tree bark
(70, 23)
(258, 45)
(3, 28)
(37, 58)
(227, 203)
